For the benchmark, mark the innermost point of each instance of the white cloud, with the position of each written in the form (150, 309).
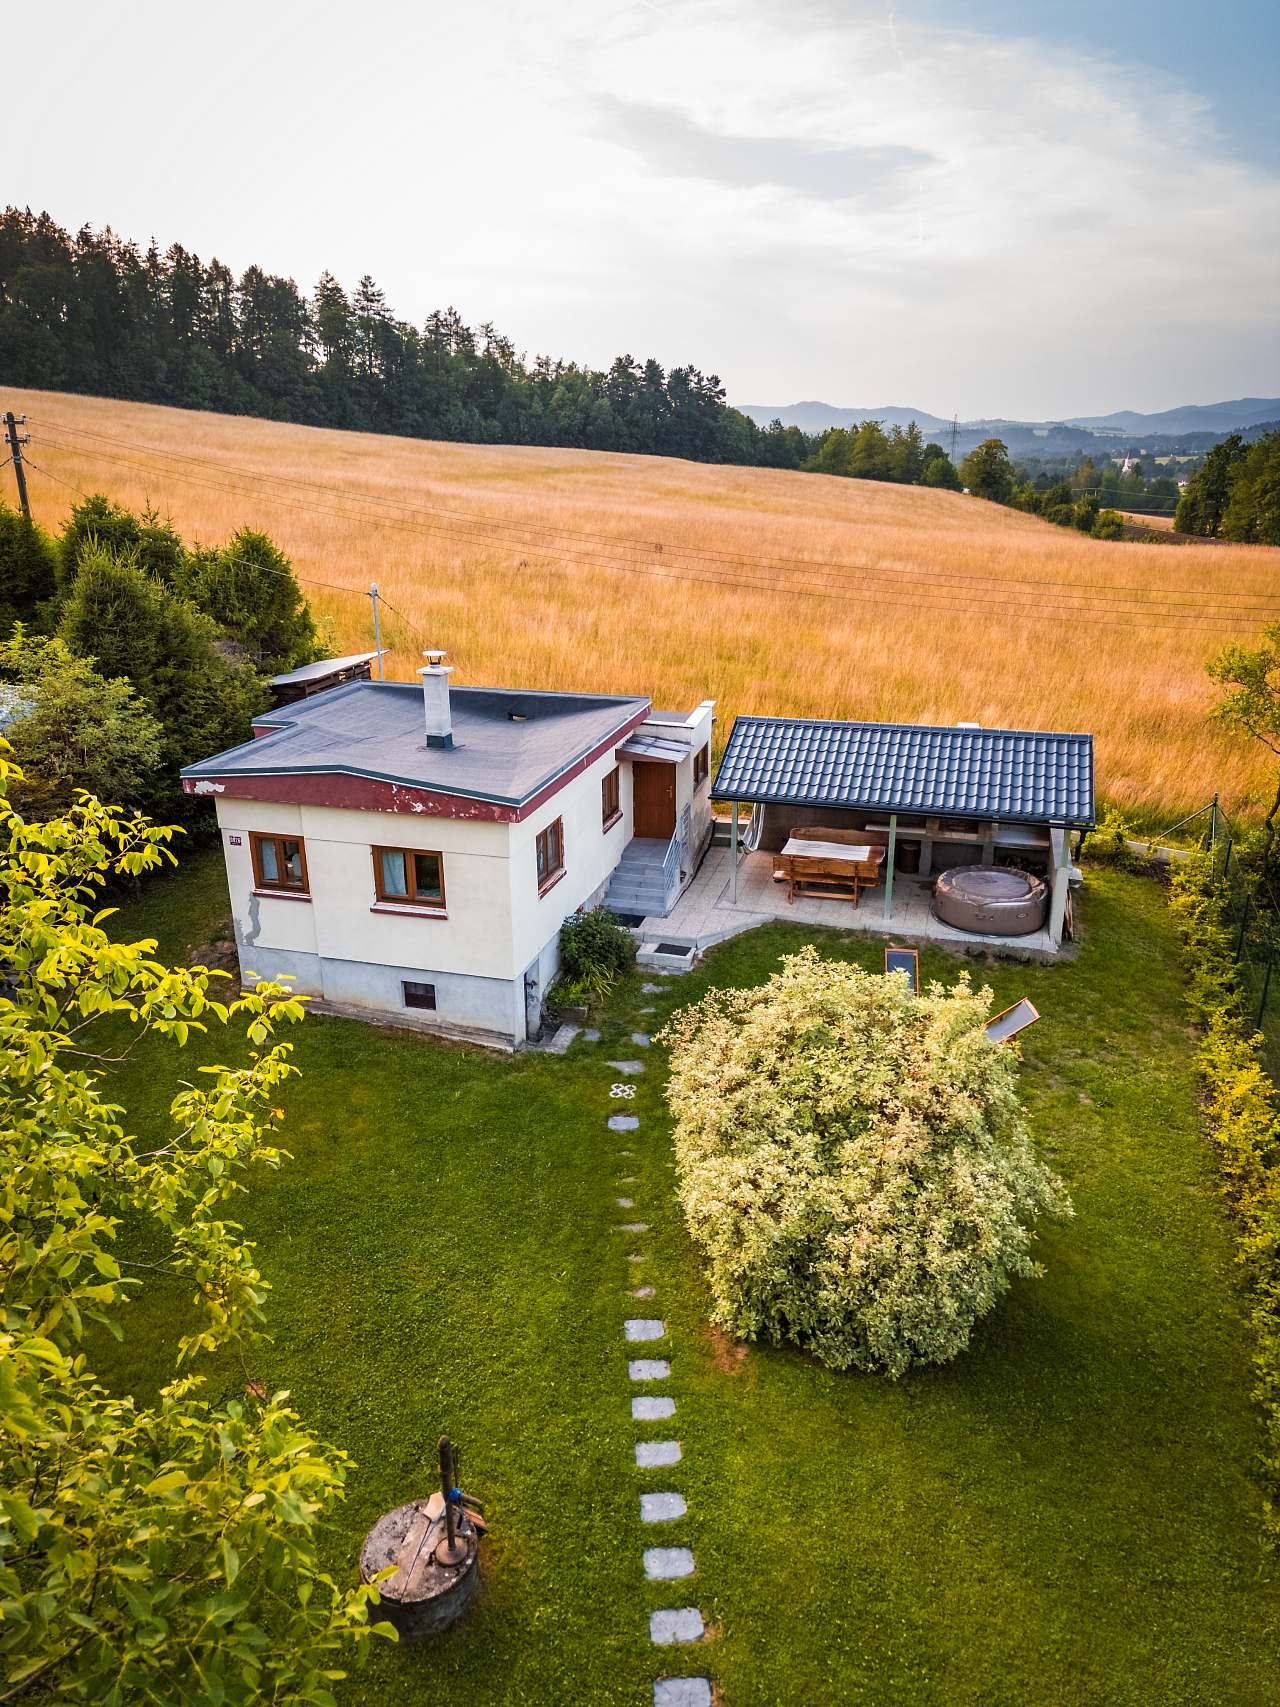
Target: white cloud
(814, 203)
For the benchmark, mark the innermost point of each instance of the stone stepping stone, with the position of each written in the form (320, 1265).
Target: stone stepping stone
(649, 1409)
(666, 1564)
(649, 1010)
(627, 1179)
(642, 1292)
(624, 1202)
(591, 1035)
(634, 1227)
(648, 1369)
(675, 1624)
(651, 989)
(640, 1039)
(636, 1256)
(682, 1692)
(631, 1068)
(624, 1122)
(662, 1508)
(644, 1328)
(656, 1454)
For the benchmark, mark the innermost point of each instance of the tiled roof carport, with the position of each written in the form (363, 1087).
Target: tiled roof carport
(1010, 775)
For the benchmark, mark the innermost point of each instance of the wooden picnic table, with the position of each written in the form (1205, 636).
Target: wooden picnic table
(833, 869)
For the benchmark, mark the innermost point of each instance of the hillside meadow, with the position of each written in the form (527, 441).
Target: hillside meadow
(768, 591)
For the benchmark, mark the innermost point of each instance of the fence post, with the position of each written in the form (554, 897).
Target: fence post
(1266, 986)
(1213, 822)
(1244, 923)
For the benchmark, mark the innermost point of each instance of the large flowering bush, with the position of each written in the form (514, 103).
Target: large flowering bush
(853, 1162)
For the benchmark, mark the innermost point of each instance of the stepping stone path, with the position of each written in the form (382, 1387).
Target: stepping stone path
(656, 1454)
(591, 1035)
(662, 1508)
(669, 1626)
(682, 1692)
(640, 1039)
(682, 1624)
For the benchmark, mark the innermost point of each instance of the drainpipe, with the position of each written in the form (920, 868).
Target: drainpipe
(733, 845)
(888, 863)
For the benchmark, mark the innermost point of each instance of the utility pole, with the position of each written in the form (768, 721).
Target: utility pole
(955, 431)
(15, 442)
(377, 633)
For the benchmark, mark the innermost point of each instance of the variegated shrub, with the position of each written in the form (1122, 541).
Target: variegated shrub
(853, 1162)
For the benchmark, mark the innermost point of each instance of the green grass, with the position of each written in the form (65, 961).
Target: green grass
(1064, 1516)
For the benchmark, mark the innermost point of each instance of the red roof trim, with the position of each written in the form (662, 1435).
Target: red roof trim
(374, 794)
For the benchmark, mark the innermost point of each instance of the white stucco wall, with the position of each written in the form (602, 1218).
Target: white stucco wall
(345, 947)
(590, 855)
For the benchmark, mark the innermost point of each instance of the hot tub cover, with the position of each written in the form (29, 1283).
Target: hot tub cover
(994, 899)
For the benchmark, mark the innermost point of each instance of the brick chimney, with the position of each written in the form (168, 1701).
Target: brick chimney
(435, 699)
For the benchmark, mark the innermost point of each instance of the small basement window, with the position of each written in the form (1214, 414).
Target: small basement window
(418, 995)
(279, 862)
(550, 845)
(610, 803)
(408, 877)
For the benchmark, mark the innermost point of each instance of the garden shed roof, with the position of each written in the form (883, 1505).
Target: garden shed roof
(1015, 775)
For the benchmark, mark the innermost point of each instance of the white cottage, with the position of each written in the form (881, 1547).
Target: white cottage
(411, 853)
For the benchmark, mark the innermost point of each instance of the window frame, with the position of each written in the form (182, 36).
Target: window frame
(554, 875)
(273, 886)
(611, 814)
(701, 765)
(428, 1006)
(410, 900)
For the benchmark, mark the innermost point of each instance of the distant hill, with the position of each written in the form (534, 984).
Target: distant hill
(817, 417)
(1228, 417)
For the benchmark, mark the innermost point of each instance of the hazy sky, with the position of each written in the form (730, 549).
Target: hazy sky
(979, 208)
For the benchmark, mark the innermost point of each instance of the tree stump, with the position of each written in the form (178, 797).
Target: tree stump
(423, 1597)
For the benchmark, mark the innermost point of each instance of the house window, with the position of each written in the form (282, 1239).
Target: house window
(610, 807)
(409, 878)
(418, 995)
(550, 854)
(279, 862)
(701, 765)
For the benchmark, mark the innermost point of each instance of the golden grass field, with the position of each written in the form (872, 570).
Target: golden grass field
(768, 591)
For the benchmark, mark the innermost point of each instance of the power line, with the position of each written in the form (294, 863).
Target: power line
(1168, 616)
(1163, 614)
(613, 543)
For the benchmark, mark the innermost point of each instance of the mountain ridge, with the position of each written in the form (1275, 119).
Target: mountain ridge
(1225, 417)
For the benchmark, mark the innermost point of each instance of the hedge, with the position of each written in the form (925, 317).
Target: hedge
(1241, 1110)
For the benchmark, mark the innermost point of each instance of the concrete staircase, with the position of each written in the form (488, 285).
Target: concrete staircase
(637, 886)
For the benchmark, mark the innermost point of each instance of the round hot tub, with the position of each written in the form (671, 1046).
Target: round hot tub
(993, 899)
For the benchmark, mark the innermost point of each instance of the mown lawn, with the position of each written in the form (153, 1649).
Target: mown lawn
(1064, 1516)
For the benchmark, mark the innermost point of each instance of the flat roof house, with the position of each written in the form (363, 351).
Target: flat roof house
(410, 852)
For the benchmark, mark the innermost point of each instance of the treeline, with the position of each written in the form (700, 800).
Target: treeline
(125, 654)
(95, 313)
(987, 472)
(1236, 495)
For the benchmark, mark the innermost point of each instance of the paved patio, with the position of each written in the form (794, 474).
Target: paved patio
(706, 913)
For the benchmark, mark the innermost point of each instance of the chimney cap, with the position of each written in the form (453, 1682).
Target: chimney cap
(435, 656)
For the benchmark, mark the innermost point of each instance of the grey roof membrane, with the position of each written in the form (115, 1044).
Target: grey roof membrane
(1023, 775)
(507, 743)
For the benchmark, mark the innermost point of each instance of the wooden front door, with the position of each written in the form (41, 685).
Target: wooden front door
(653, 799)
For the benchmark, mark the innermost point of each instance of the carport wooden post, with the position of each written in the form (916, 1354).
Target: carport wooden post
(1060, 842)
(733, 845)
(888, 864)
